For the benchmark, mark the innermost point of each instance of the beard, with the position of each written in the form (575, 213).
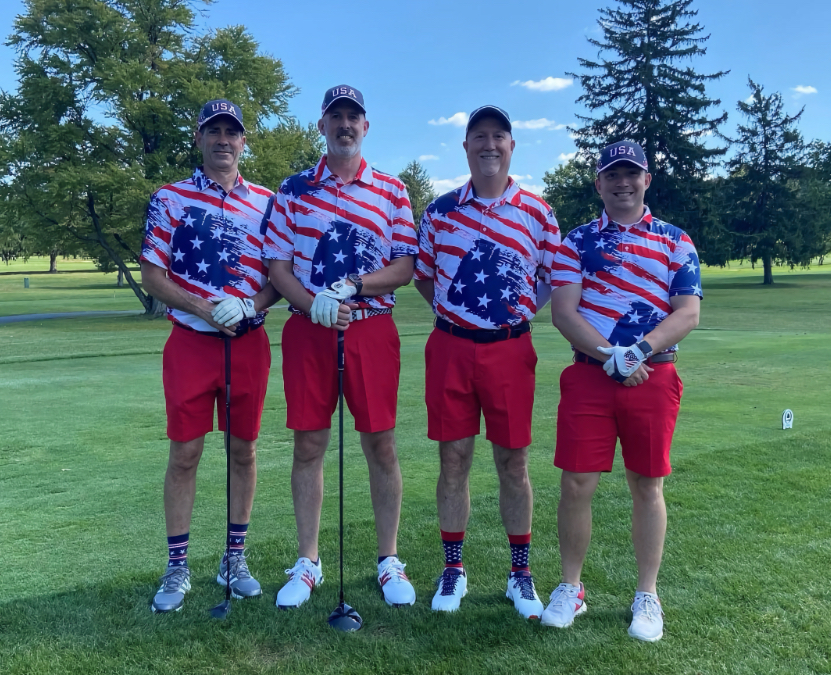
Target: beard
(345, 151)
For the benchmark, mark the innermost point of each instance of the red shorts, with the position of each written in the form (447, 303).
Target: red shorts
(595, 411)
(465, 379)
(370, 374)
(193, 371)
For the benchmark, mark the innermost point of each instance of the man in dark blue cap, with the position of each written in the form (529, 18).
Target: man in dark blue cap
(626, 290)
(202, 257)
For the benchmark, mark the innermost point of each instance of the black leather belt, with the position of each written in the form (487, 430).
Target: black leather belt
(240, 331)
(483, 335)
(666, 357)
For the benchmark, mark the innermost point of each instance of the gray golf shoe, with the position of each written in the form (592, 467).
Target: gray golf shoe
(243, 585)
(171, 595)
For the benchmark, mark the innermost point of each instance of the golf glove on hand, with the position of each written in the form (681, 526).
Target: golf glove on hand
(233, 310)
(623, 362)
(326, 303)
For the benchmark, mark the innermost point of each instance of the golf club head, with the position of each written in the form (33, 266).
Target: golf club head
(345, 619)
(222, 610)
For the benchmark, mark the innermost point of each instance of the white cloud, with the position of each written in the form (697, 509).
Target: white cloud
(749, 100)
(567, 156)
(536, 189)
(534, 125)
(427, 158)
(803, 89)
(457, 120)
(444, 145)
(518, 178)
(442, 185)
(547, 84)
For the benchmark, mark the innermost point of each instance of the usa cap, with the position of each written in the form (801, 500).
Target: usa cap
(488, 111)
(622, 151)
(218, 107)
(342, 91)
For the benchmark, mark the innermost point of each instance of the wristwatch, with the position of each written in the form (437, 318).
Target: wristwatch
(645, 347)
(359, 283)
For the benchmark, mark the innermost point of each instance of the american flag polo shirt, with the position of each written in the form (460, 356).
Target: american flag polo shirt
(331, 229)
(628, 273)
(209, 241)
(485, 259)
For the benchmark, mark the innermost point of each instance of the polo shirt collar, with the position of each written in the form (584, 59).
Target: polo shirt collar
(510, 196)
(645, 222)
(202, 182)
(322, 173)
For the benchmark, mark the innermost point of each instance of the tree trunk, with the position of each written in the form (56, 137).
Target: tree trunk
(768, 266)
(120, 281)
(157, 308)
(53, 262)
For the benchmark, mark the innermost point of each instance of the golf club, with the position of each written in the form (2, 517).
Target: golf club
(223, 609)
(344, 618)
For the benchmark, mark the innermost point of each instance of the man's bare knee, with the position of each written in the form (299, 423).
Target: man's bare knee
(379, 448)
(243, 453)
(511, 465)
(184, 457)
(310, 446)
(646, 490)
(578, 487)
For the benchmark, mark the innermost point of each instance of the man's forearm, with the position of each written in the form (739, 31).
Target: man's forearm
(266, 297)
(673, 329)
(155, 281)
(580, 333)
(281, 274)
(427, 288)
(388, 279)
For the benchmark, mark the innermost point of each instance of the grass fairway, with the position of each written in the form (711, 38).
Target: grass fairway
(745, 581)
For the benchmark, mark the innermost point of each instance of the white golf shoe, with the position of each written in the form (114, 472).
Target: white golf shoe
(647, 618)
(522, 593)
(396, 587)
(303, 578)
(567, 602)
(452, 588)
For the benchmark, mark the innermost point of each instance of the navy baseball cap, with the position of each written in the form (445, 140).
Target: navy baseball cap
(217, 108)
(342, 91)
(488, 111)
(622, 151)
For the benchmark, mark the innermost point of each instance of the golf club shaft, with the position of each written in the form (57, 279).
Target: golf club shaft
(341, 359)
(227, 468)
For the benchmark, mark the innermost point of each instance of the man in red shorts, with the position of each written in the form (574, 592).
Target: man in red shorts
(483, 248)
(340, 241)
(202, 257)
(626, 290)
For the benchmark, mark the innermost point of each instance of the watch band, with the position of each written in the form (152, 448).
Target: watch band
(359, 283)
(645, 347)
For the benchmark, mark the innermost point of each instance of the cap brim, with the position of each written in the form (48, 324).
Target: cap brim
(224, 114)
(623, 159)
(339, 98)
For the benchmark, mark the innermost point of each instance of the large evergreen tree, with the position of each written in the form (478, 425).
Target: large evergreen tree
(643, 88)
(419, 187)
(109, 91)
(778, 212)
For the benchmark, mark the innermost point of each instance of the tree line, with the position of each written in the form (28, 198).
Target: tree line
(108, 92)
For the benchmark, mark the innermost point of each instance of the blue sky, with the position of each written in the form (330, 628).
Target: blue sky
(419, 62)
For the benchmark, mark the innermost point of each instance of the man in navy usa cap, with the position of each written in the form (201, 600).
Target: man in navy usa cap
(202, 257)
(626, 290)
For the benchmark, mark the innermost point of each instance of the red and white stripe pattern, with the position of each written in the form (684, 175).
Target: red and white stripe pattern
(628, 274)
(331, 229)
(209, 241)
(485, 258)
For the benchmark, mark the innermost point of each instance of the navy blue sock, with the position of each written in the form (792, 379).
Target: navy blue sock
(236, 536)
(520, 545)
(177, 550)
(452, 543)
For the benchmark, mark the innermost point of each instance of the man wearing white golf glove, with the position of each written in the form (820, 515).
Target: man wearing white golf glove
(626, 290)
(233, 310)
(340, 241)
(326, 303)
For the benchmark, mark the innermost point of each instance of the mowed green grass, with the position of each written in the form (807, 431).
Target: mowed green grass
(745, 581)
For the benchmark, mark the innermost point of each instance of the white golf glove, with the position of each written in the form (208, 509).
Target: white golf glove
(326, 303)
(233, 310)
(624, 361)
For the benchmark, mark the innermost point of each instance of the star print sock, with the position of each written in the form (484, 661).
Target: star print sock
(177, 550)
(236, 533)
(453, 542)
(520, 545)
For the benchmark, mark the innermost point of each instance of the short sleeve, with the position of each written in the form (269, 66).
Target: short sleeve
(158, 232)
(281, 227)
(425, 267)
(567, 267)
(403, 229)
(684, 269)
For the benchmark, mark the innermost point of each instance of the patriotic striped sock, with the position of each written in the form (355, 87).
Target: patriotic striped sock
(520, 545)
(236, 535)
(177, 550)
(453, 542)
